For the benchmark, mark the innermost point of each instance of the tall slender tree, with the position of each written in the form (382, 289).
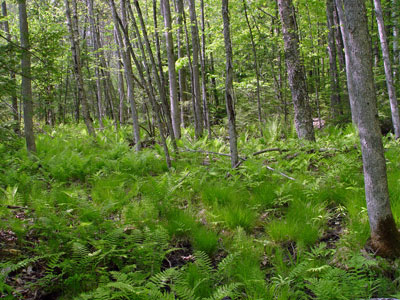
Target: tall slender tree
(14, 98)
(385, 238)
(26, 81)
(229, 85)
(388, 68)
(173, 89)
(72, 21)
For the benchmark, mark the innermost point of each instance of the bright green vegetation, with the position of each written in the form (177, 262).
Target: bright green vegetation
(96, 220)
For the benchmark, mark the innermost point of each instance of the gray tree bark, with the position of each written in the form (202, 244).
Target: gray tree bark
(199, 120)
(203, 71)
(173, 90)
(295, 70)
(336, 109)
(95, 43)
(388, 68)
(396, 51)
(76, 55)
(124, 46)
(182, 71)
(14, 98)
(385, 238)
(26, 83)
(229, 85)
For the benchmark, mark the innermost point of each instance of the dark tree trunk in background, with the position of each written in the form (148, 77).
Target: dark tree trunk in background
(388, 68)
(173, 89)
(14, 98)
(229, 85)
(336, 109)
(295, 70)
(76, 55)
(26, 81)
(385, 238)
(199, 120)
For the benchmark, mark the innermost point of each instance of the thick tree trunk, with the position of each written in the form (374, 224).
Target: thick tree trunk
(14, 98)
(26, 83)
(336, 109)
(384, 235)
(295, 70)
(396, 51)
(173, 91)
(199, 121)
(388, 68)
(76, 55)
(124, 45)
(229, 85)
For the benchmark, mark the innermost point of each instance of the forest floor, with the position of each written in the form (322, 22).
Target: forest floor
(88, 218)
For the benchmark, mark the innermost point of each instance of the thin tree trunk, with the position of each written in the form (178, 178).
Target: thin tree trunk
(295, 70)
(203, 71)
(97, 72)
(388, 68)
(161, 89)
(121, 86)
(26, 83)
(173, 91)
(229, 85)
(333, 71)
(396, 51)
(253, 47)
(75, 48)
(182, 70)
(147, 86)
(385, 238)
(14, 99)
(195, 69)
(124, 45)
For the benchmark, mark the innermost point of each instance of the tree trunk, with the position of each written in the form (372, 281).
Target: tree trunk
(124, 45)
(26, 83)
(182, 71)
(76, 55)
(195, 69)
(160, 86)
(14, 99)
(388, 68)
(121, 86)
(295, 70)
(229, 85)
(253, 47)
(336, 109)
(173, 91)
(203, 71)
(95, 43)
(385, 238)
(396, 51)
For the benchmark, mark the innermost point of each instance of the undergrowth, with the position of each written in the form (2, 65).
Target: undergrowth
(93, 219)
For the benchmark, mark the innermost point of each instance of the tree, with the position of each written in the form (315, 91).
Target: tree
(229, 85)
(173, 90)
(14, 99)
(198, 112)
(388, 68)
(26, 82)
(295, 70)
(72, 21)
(385, 238)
